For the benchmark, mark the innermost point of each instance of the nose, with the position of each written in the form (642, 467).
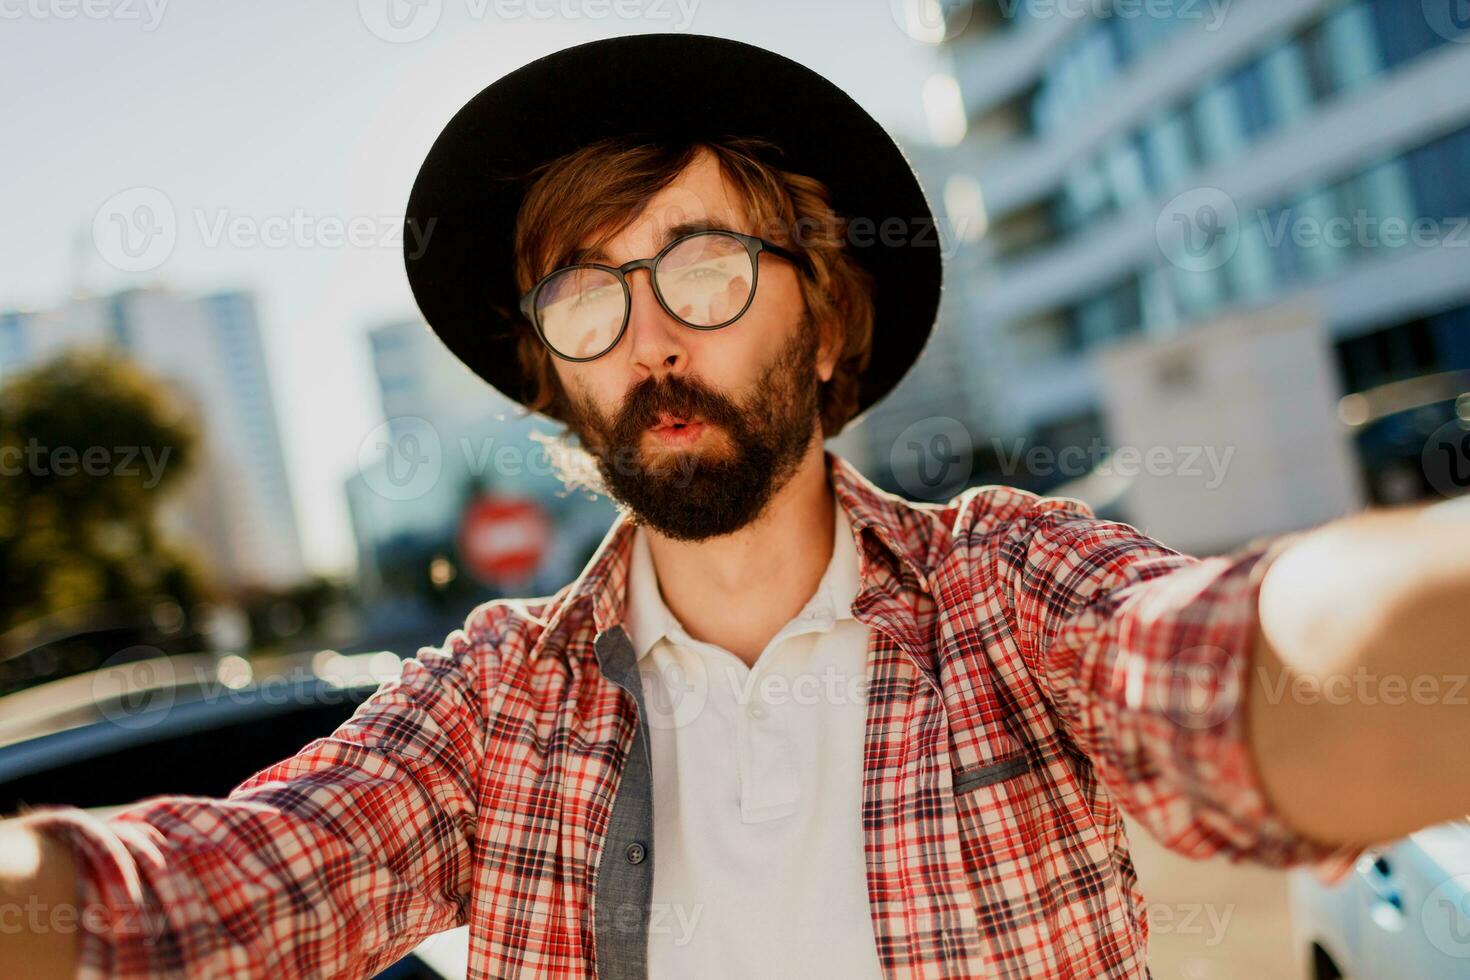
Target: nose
(656, 340)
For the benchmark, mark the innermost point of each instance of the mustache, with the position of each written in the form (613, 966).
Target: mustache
(649, 399)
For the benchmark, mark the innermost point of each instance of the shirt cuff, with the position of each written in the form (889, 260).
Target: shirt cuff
(1221, 764)
(113, 912)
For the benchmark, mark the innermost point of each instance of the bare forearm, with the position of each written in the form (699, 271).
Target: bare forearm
(39, 914)
(1359, 703)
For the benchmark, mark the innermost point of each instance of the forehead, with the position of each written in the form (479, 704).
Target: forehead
(700, 192)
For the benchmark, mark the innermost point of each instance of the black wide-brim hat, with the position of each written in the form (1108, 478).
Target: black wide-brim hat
(461, 216)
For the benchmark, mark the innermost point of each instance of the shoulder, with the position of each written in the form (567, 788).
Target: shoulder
(999, 509)
(988, 516)
(508, 630)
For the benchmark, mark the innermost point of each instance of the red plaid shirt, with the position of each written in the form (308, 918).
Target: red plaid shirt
(1032, 670)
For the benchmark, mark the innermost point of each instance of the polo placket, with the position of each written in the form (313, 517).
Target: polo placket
(623, 894)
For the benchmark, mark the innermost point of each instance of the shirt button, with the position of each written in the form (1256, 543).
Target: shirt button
(758, 711)
(636, 852)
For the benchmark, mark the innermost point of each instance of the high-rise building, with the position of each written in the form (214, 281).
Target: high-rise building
(235, 508)
(1146, 168)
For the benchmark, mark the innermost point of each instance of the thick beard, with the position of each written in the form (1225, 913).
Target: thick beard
(749, 453)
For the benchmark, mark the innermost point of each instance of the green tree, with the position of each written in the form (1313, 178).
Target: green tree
(89, 446)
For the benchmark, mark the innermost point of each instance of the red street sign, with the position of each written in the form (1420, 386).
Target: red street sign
(502, 539)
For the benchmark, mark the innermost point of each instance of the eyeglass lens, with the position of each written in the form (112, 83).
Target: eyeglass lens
(705, 280)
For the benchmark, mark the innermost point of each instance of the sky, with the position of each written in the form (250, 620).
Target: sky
(272, 114)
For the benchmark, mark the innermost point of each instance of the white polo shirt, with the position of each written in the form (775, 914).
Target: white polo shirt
(759, 868)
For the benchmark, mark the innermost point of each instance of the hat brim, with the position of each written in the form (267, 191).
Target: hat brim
(460, 220)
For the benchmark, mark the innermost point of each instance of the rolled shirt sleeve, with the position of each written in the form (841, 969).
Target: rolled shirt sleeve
(1146, 656)
(335, 862)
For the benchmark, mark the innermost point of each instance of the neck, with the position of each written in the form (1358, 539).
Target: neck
(737, 590)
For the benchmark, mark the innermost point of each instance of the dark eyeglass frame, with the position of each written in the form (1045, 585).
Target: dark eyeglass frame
(753, 247)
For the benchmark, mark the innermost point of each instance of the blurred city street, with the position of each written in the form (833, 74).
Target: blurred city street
(1206, 269)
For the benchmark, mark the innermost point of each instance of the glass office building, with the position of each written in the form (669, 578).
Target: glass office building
(1299, 148)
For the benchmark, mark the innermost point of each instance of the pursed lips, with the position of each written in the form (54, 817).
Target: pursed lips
(676, 430)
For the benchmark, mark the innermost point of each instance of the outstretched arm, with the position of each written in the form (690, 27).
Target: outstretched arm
(1359, 705)
(334, 862)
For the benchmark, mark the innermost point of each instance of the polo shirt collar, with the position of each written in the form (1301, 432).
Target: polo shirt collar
(881, 523)
(647, 619)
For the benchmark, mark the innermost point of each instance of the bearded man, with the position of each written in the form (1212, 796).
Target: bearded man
(856, 737)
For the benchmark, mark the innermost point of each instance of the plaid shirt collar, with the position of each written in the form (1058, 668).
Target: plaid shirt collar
(886, 567)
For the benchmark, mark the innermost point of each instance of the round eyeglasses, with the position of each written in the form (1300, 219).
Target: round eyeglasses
(706, 280)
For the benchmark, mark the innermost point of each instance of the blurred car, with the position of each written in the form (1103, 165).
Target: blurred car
(1402, 912)
(195, 725)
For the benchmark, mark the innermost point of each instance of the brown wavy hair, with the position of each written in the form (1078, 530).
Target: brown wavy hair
(596, 190)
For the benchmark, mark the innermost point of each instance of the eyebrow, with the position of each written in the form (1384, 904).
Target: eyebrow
(581, 255)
